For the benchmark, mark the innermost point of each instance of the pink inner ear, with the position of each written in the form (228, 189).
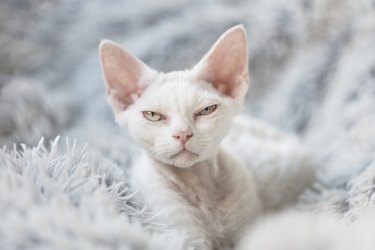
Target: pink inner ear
(226, 64)
(123, 72)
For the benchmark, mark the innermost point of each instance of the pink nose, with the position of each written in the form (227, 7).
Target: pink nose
(183, 136)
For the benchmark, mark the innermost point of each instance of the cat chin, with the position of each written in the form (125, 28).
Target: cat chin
(186, 164)
(182, 161)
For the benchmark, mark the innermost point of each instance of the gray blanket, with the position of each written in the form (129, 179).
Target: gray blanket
(312, 67)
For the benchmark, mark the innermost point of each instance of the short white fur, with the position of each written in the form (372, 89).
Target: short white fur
(195, 185)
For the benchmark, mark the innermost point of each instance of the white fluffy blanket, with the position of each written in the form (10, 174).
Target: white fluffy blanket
(312, 67)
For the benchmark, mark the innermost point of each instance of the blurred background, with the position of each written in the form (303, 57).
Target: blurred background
(312, 65)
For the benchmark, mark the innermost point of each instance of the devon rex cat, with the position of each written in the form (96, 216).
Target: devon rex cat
(180, 118)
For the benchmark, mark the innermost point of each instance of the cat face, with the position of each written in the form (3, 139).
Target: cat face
(179, 120)
(179, 117)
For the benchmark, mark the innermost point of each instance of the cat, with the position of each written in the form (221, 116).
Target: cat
(180, 118)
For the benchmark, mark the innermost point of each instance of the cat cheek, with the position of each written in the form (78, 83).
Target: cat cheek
(141, 133)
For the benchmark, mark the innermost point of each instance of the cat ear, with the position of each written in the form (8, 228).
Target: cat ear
(226, 64)
(126, 76)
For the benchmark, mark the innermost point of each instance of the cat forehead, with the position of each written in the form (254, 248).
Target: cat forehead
(179, 90)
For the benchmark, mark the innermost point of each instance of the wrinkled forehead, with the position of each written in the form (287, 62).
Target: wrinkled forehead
(179, 93)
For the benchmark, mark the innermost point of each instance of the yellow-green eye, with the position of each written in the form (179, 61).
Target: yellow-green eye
(152, 116)
(208, 110)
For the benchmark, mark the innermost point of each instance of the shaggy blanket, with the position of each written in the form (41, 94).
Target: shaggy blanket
(312, 68)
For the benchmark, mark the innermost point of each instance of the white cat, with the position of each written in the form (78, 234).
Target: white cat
(180, 119)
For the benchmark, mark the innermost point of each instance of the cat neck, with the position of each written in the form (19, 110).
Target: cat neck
(203, 182)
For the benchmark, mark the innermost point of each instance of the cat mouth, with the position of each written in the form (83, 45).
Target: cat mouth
(184, 152)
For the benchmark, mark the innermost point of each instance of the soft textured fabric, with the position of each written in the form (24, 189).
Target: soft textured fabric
(312, 73)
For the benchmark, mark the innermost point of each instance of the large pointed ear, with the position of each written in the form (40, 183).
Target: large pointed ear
(226, 64)
(125, 75)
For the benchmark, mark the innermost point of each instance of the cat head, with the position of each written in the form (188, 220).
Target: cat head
(179, 117)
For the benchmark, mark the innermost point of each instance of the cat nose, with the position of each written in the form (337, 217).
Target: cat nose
(183, 136)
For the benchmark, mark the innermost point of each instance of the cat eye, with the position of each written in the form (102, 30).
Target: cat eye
(152, 116)
(208, 110)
